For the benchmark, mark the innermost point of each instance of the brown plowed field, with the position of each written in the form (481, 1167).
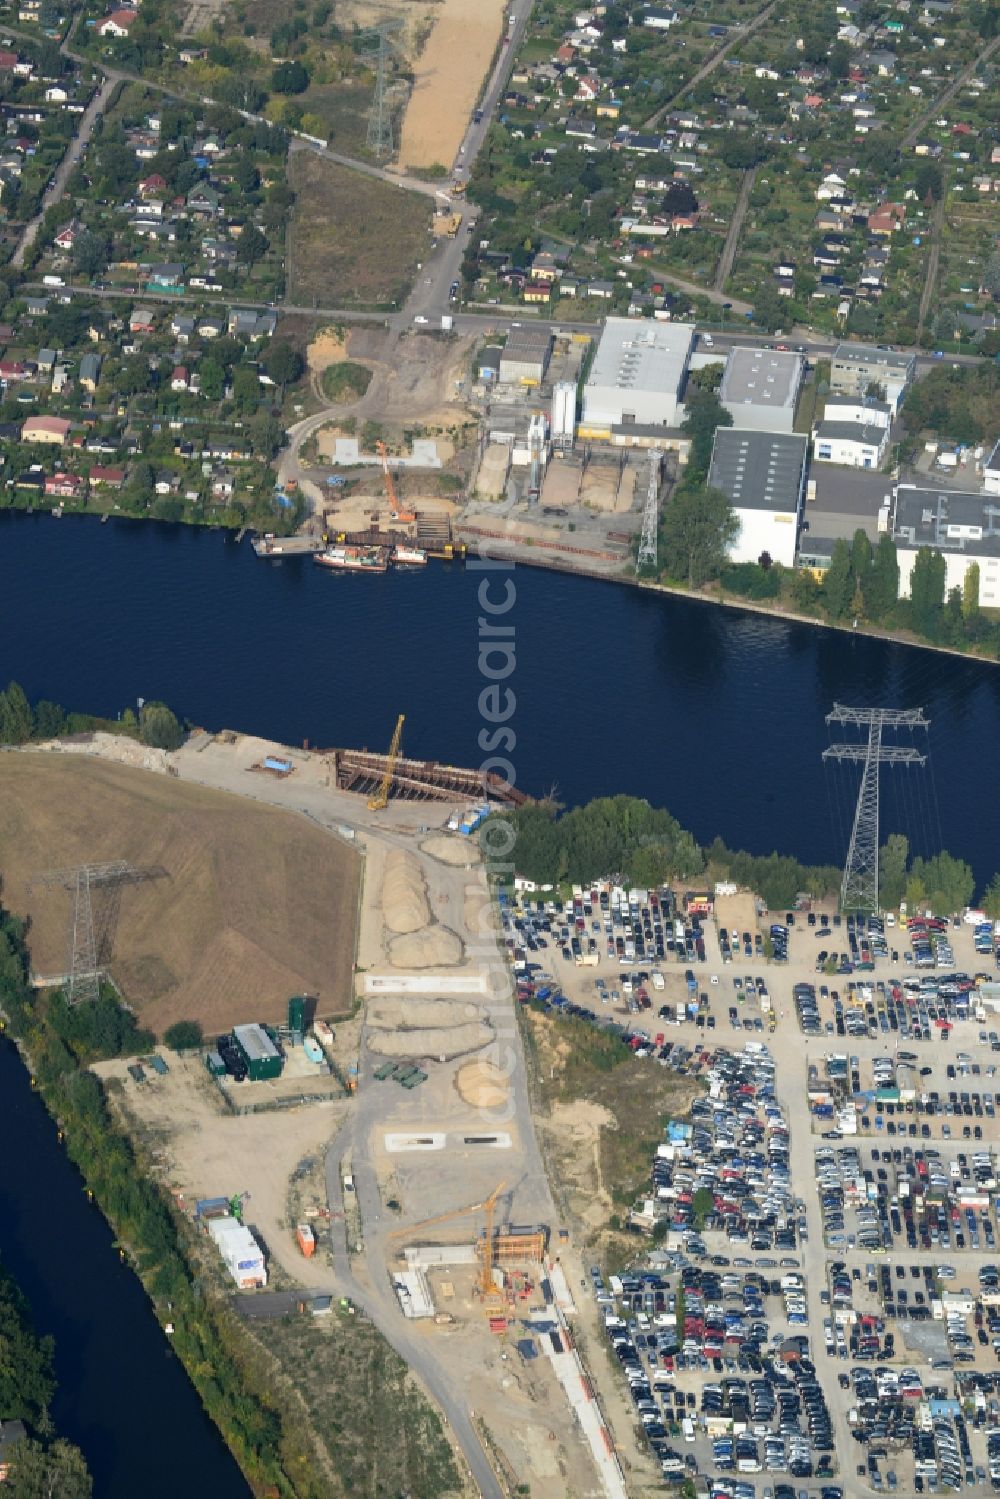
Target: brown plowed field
(258, 904)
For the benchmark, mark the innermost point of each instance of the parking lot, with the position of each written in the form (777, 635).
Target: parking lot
(817, 1314)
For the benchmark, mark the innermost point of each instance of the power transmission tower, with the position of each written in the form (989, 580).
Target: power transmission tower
(380, 117)
(91, 940)
(650, 515)
(859, 887)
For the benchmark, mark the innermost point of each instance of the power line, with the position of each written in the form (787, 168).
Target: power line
(91, 939)
(859, 887)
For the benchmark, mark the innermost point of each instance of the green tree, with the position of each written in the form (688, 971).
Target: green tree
(251, 245)
(699, 526)
(183, 1035)
(970, 591)
(283, 363)
(948, 882)
(892, 870)
(990, 901)
(881, 585)
(289, 78)
(158, 727)
(991, 274)
(50, 720)
(838, 582)
(213, 379)
(770, 309)
(16, 719)
(90, 253)
(704, 414)
(56, 1472)
(929, 180)
(927, 593)
(861, 555)
(246, 388)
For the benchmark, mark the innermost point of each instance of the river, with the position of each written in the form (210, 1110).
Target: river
(123, 1397)
(715, 713)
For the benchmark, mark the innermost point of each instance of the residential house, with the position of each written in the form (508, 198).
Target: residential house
(180, 380)
(106, 478)
(182, 326)
(46, 429)
(211, 327)
(886, 219)
(119, 23)
(64, 486)
(66, 238)
(537, 291)
(203, 200)
(659, 20)
(90, 372)
(248, 323)
(141, 320)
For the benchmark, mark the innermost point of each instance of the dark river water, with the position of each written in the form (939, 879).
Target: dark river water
(717, 715)
(123, 1397)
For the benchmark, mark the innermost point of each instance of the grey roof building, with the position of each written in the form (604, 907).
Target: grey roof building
(855, 367)
(963, 526)
(760, 388)
(762, 474)
(637, 375)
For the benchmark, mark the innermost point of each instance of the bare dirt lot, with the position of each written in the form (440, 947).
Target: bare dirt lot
(448, 77)
(256, 904)
(355, 241)
(203, 1151)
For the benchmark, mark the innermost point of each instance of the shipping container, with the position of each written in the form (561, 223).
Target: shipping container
(306, 1240)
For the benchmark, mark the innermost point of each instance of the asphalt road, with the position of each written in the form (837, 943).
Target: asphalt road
(57, 187)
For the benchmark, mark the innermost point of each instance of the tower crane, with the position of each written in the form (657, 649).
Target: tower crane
(493, 1299)
(379, 799)
(405, 517)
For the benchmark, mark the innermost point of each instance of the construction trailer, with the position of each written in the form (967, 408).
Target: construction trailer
(241, 1254)
(262, 1057)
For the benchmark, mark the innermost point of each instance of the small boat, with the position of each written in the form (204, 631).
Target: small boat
(407, 556)
(358, 559)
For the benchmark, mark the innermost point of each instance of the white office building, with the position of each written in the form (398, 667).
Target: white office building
(850, 444)
(962, 526)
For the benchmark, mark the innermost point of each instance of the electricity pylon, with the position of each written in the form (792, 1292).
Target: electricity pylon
(380, 117)
(859, 887)
(90, 942)
(650, 515)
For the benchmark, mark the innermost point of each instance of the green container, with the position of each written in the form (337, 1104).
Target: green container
(297, 1014)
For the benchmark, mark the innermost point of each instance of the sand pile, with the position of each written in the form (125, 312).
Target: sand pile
(404, 895)
(410, 1027)
(482, 1084)
(430, 947)
(460, 851)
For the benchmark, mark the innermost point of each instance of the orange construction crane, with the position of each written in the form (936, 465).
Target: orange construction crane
(405, 516)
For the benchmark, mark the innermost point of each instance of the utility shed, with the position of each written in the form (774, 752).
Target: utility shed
(262, 1057)
(240, 1252)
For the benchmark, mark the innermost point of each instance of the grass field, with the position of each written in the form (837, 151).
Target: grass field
(381, 1435)
(257, 904)
(355, 241)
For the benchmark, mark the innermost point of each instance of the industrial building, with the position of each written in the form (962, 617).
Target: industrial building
(762, 474)
(525, 357)
(263, 1059)
(855, 368)
(637, 376)
(241, 1254)
(760, 388)
(838, 504)
(962, 526)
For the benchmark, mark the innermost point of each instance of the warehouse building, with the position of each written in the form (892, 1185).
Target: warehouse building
(962, 526)
(838, 504)
(763, 476)
(525, 357)
(856, 368)
(637, 376)
(262, 1057)
(760, 388)
(241, 1254)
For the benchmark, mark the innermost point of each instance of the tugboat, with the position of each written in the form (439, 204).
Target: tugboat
(355, 559)
(409, 556)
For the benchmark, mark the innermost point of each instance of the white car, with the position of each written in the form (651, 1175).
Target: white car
(420, 318)
(714, 979)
